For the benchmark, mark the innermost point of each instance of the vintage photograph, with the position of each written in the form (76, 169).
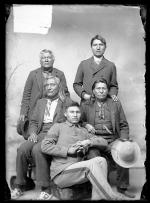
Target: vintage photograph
(75, 102)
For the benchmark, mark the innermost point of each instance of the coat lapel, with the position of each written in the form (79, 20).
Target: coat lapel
(95, 67)
(112, 114)
(57, 110)
(92, 113)
(41, 113)
(39, 79)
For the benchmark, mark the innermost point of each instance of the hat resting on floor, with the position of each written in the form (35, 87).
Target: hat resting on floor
(125, 153)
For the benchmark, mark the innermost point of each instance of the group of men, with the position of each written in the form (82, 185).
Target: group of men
(66, 141)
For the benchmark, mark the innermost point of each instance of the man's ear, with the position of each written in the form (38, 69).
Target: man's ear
(65, 114)
(93, 92)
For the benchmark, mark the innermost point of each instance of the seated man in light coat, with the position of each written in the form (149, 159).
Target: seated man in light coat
(67, 143)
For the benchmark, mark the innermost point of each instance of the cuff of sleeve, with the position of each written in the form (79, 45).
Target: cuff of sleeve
(64, 151)
(82, 94)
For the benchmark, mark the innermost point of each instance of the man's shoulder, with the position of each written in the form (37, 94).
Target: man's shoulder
(113, 103)
(41, 101)
(108, 62)
(87, 103)
(56, 70)
(60, 124)
(32, 72)
(88, 60)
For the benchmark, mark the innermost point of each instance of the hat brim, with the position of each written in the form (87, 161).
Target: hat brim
(115, 152)
(22, 127)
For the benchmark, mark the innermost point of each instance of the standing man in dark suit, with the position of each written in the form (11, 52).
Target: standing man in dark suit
(94, 68)
(105, 118)
(47, 111)
(34, 87)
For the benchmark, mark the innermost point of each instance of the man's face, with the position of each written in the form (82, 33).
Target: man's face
(52, 88)
(73, 114)
(98, 48)
(100, 91)
(46, 60)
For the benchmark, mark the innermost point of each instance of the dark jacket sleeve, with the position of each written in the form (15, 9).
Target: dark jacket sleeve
(113, 83)
(84, 112)
(49, 143)
(78, 82)
(64, 85)
(26, 95)
(97, 141)
(123, 124)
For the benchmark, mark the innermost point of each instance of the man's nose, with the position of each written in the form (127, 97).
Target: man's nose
(101, 90)
(75, 114)
(49, 87)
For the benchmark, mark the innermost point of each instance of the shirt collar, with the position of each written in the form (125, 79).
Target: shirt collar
(47, 70)
(71, 124)
(96, 59)
(104, 102)
(49, 100)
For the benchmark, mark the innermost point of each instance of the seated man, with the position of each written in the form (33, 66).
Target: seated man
(104, 117)
(67, 142)
(48, 111)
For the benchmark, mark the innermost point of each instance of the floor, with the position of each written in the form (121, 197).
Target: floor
(137, 175)
(137, 179)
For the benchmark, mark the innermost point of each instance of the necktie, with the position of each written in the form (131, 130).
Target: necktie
(47, 108)
(101, 110)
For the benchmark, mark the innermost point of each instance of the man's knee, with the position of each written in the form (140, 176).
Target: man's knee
(24, 148)
(37, 149)
(93, 152)
(99, 160)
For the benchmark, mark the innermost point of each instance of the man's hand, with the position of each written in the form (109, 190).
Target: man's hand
(73, 149)
(115, 98)
(21, 117)
(90, 128)
(86, 96)
(125, 139)
(33, 138)
(84, 143)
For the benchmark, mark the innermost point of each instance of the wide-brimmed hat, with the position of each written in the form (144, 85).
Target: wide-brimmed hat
(125, 153)
(22, 127)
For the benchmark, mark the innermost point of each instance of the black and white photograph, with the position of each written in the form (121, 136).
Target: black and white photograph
(75, 102)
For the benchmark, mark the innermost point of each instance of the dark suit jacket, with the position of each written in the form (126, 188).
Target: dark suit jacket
(33, 89)
(88, 71)
(118, 119)
(38, 115)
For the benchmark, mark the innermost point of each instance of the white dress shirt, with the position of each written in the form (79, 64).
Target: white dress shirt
(50, 110)
(97, 60)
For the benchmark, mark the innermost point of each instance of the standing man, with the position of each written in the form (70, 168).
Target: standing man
(47, 111)
(34, 87)
(67, 143)
(105, 118)
(94, 68)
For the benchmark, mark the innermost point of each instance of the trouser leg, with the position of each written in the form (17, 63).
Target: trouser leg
(122, 177)
(94, 170)
(93, 152)
(42, 163)
(122, 173)
(22, 161)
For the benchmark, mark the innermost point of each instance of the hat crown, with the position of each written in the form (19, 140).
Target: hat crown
(127, 152)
